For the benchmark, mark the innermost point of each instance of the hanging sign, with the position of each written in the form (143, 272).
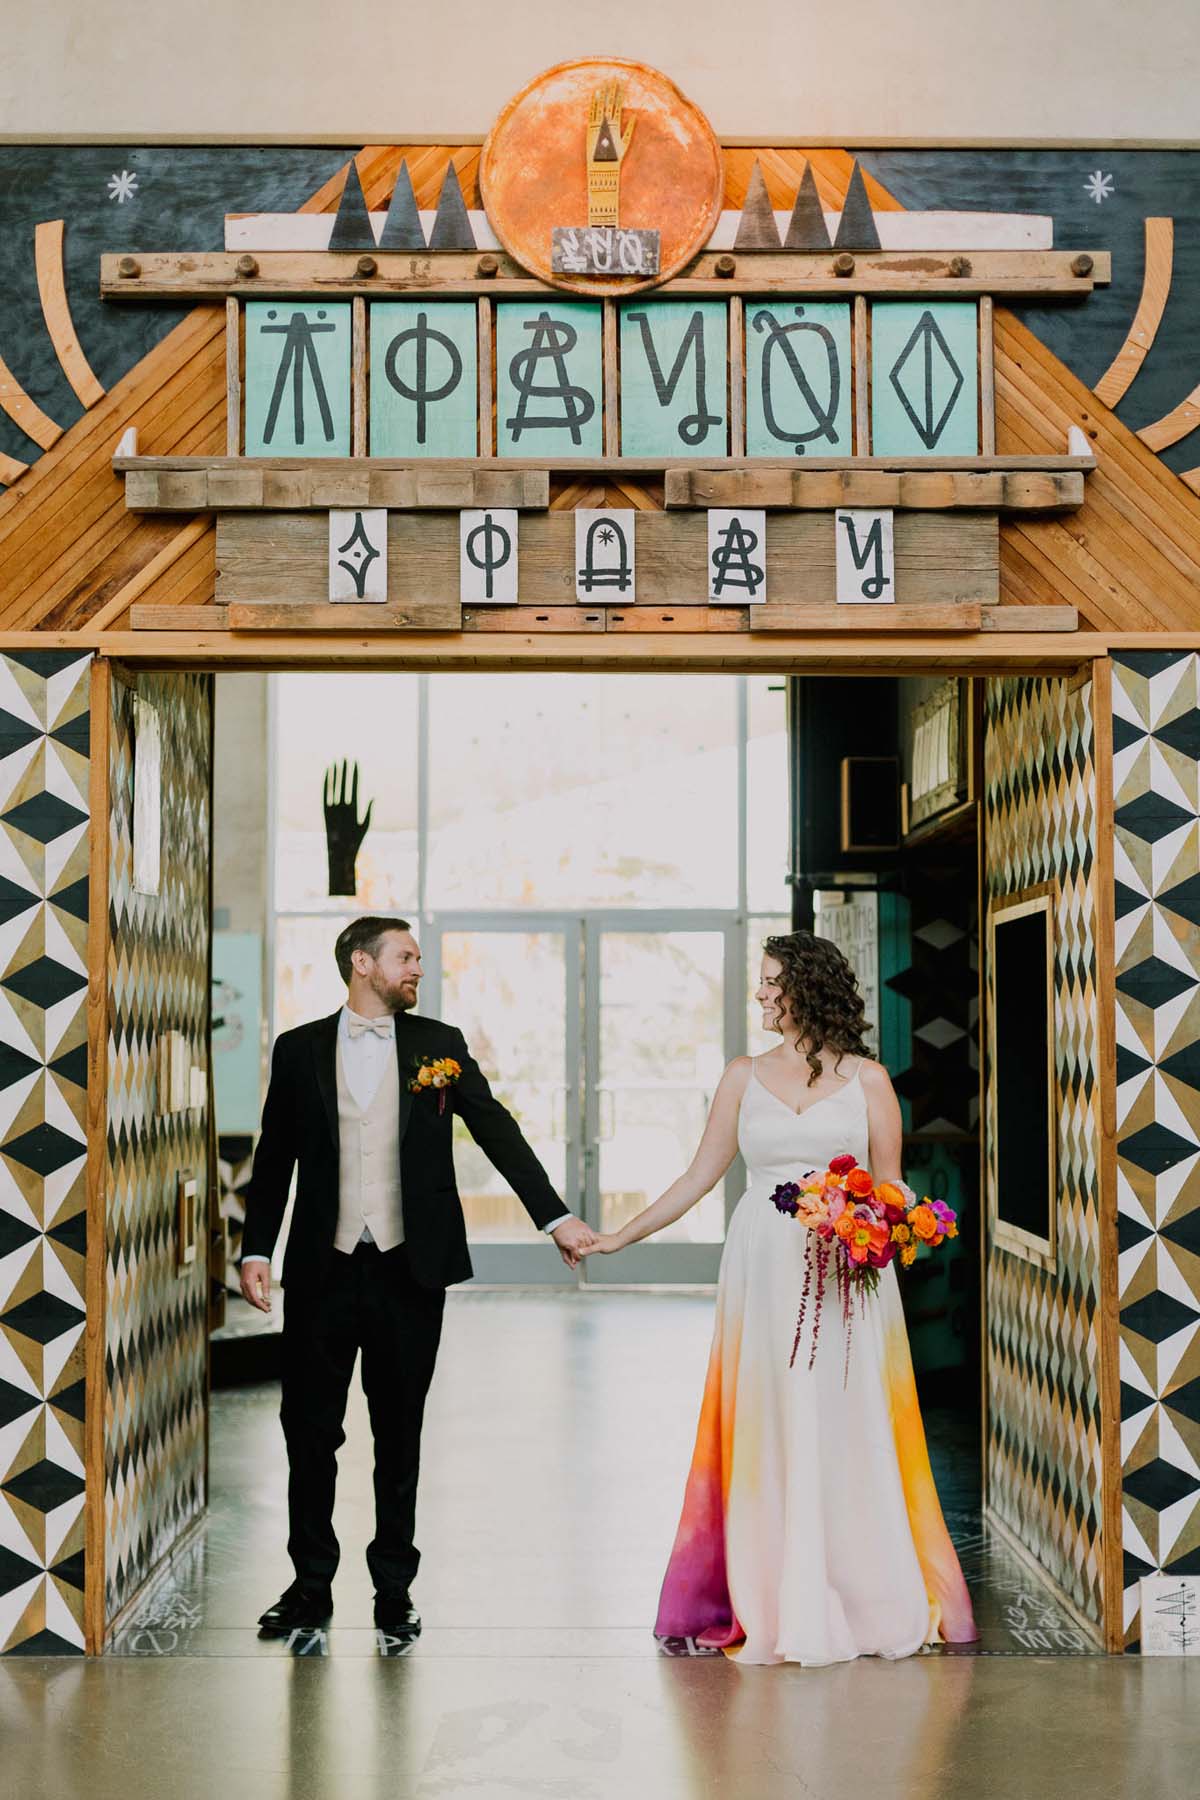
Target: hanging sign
(604, 555)
(487, 557)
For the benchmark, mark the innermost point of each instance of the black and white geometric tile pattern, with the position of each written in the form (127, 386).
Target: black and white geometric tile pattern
(44, 806)
(1156, 791)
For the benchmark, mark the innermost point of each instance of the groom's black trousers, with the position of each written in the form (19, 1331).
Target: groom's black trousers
(367, 1302)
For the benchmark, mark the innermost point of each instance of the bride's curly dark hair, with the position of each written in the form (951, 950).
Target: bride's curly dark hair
(820, 988)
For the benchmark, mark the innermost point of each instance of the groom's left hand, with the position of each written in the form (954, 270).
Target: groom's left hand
(571, 1237)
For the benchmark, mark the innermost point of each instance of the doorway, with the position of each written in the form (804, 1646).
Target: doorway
(606, 1035)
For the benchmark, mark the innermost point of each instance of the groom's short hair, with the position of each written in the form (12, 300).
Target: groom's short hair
(366, 934)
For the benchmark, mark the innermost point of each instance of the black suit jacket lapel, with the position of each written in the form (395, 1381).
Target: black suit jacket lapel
(405, 1056)
(324, 1046)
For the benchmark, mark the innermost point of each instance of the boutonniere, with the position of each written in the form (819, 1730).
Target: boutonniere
(438, 1072)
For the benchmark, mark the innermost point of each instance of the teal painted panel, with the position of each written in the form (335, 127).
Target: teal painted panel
(297, 379)
(549, 378)
(924, 378)
(798, 379)
(895, 1011)
(674, 378)
(424, 380)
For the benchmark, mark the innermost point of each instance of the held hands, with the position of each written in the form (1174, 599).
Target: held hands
(574, 1239)
(603, 1243)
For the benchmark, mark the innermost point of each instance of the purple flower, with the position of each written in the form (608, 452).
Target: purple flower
(786, 1197)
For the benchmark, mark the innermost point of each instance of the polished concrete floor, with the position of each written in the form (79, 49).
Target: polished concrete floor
(557, 1439)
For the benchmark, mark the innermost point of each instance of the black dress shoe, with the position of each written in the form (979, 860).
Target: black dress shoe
(299, 1608)
(396, 1616)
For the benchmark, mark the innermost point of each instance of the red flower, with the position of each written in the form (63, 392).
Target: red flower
(841, 1165)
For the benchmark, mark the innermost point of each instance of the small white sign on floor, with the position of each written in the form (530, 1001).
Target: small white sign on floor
(866, 558)
(604, 555)
(1170, 1615)
(737, 555)
(358, 555)
(487, 557)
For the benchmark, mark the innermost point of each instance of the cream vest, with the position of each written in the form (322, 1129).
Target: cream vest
(369, 1172)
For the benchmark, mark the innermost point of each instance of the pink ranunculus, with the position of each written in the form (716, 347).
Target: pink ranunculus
(835, 1202)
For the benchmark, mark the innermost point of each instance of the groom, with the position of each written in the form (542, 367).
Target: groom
(377, 1235)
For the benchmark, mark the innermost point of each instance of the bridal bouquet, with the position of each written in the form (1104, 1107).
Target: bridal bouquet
(860, 1226)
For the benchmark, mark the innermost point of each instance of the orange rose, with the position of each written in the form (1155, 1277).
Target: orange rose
(891, 1195)
(845, 1226)
(859, 1183)
(924, 1222)
(908, 1255)
(901, 1234)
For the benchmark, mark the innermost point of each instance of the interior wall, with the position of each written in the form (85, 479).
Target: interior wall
(158, 980)
(951, 68)
(1156, 793)
(44, 806)
(1044, 1470)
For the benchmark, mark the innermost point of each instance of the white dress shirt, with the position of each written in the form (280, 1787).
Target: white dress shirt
(367, 1056)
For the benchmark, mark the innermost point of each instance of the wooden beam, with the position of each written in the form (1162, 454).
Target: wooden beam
(533, 618)
(987, 376)
(914, 489)
(964, 617)
(233, 379)
(286, 274)
(862, 377)
(595, 466)
(1030, 618)
(737, 376)
(358, 376)
(487, 405)
(96, 1169)
(439, 615)
(850, 653)
(178, 618)
(612, 382)
(247, 485)
(278, 557)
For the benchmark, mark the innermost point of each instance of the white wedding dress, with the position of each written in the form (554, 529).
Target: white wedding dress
(811, 1530)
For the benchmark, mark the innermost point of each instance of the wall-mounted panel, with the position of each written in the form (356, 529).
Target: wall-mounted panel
(924, 378)
(549, 378)
(424, 378)
(674, 378)
(297, 379)
(798, 378)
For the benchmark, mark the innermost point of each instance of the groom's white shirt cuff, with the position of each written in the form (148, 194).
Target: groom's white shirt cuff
(548, 1229)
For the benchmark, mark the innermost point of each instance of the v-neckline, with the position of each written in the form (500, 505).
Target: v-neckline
(813, 1105)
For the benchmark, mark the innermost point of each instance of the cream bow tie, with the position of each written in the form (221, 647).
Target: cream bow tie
(383, 1028)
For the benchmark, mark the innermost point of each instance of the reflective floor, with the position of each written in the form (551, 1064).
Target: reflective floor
(557, 1441)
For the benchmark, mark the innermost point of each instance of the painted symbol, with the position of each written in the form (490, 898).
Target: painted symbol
(920, 375)
(824, 416)
(695, 427)
(553, 341)
(299, 353)
(356, 555)
(606, 560)
(495, 548)
(731, 564)
(122, 187)
(869, 552)
(421, 393)
(1098, 186)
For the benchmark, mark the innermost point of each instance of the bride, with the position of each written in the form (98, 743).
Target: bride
(811, 1530)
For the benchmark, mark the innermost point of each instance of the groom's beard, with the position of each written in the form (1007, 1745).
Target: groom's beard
(400, 998)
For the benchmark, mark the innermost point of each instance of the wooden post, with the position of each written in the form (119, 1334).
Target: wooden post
(862, 379)
(737, 376)
(233, 377)
(1108, 1322)
(96, 1168)
(612, 390)
(358, 376)
(487, 414)
(987, 379)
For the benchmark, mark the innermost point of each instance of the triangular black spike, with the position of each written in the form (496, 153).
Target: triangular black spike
(605, 150)
(402, 227)
(807, 229)
(757, 229)
(352, 227)
(452, 223)
(856, 228)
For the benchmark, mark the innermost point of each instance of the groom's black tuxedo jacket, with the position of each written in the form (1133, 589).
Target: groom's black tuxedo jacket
(300, 1127)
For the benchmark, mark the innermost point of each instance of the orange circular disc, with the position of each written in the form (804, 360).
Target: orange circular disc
(534, 167)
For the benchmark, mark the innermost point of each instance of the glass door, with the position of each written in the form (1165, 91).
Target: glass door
(661, 1011)
(512, 986)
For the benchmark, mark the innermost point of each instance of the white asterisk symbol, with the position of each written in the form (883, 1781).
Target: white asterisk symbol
(1098, 186)
(122, 187)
